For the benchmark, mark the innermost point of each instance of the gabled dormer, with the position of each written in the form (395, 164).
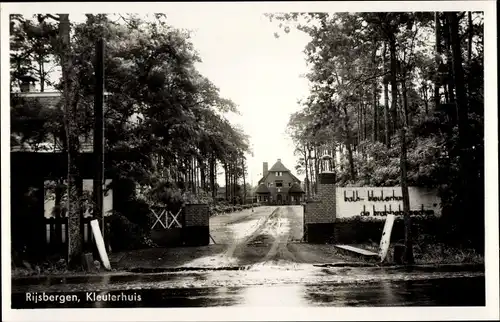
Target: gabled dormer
(277, 172)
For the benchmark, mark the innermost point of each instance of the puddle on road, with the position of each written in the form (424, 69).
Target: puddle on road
(215, 261)
(436, 292)
(268, 273)
(266, 296)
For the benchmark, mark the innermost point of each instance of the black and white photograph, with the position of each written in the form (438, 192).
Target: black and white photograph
(267, 157)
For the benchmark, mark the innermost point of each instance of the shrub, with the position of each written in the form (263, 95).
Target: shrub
(361, 229)
(222, 207)
(201, 197)
(126, 235)
(165, 193)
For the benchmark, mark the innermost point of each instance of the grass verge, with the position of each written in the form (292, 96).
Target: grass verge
(434, 253)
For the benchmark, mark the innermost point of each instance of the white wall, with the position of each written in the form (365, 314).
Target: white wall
(354, 201)
(87, 187)
(107, 206)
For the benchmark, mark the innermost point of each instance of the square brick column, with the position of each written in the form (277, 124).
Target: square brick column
(196, 230)
(319, 216)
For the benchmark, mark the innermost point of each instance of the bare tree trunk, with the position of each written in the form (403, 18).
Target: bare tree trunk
(203, 176)
(244, 182)
(469, 42)
(333, 161)
(308, 180)
(194, 174)
(405, 99)
(386, 103)
(59, 190)
(409, 260)
(374, 97)
(226, 174)
(359, 133)
(235, 182)
(352, 169)
(375, 114)
(365, 129)
(311, 170)
(450, 96)
(462, 109)
(446, 96)
(41, 72)
(426, 101)
(231, 182)
(437, 30)
(316, 170)
(394, 84)
(213, 173)
(215, 184)
(75, 245)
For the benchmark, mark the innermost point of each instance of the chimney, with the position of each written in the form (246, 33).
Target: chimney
(279, 160)
(264, 169)
(27, 84)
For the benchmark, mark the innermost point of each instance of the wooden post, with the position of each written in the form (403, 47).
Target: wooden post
(408, 255)
(98, 141)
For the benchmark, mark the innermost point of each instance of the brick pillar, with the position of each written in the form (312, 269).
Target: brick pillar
(319, 216)
(196, 230)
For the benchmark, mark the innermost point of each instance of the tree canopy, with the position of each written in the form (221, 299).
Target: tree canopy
(157, 105)
(372, 74)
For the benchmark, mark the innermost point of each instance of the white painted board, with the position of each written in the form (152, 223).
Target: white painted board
(100, 243)
(386, 237)
(378, 202)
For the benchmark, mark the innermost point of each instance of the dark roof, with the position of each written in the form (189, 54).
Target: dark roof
(295, 178)
(296, 188)
(262, 188)
(278, 166)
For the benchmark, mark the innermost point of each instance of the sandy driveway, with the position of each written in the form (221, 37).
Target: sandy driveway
(268, 236)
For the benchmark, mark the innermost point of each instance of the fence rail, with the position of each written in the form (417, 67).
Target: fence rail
(166, 219)
(56, 234)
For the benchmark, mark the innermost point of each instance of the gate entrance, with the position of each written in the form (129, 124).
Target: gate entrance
(170, 220)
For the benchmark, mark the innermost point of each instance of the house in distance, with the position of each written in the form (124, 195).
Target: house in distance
(278, 186)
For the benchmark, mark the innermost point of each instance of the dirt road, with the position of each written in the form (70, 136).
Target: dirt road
(268, 236)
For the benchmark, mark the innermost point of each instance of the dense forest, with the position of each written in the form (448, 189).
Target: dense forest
(157, 105)
(396, 99)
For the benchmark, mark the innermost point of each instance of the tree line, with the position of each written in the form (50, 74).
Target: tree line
(396, 99)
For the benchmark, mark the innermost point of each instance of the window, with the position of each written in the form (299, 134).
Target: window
(279, 174)
(289, 184)
(279, 184)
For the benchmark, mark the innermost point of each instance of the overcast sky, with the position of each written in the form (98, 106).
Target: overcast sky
(260, 73)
